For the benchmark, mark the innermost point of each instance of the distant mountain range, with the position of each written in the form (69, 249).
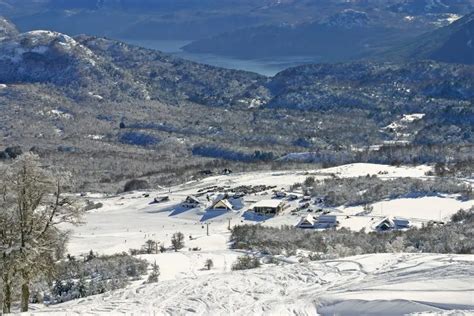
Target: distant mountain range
(420, 7)
(195, 20)
(326, 30)
(346, 35)
(453, 43)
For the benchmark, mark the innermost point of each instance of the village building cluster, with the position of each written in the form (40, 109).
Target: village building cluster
(262, 202)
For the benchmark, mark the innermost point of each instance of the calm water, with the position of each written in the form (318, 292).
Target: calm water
(268, 67)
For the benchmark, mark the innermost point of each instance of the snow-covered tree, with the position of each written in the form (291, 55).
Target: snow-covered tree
(32, 206)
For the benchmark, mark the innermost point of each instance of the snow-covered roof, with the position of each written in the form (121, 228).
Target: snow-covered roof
(393, 220)
(192, 198)
(387, 220)
(268, 203)
(309, 219)
(223, 202)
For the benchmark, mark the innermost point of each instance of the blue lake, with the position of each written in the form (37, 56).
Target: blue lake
(267, 67)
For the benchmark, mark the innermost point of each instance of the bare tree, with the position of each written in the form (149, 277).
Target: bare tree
(177, 241)
(150, 246)
(33, 206)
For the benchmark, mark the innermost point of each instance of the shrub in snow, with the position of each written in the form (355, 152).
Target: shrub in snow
(90, 256)
(246, 262)
(135, 184)
(155, 273)
(209, 264)
(92, 206)
(309, 181)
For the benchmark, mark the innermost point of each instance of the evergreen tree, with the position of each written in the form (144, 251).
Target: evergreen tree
(155, 273)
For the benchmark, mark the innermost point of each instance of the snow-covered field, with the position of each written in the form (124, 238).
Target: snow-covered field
(381, 284)
(388, 284)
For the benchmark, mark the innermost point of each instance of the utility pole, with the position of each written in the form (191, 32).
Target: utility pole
(228, 226)
(207, 229)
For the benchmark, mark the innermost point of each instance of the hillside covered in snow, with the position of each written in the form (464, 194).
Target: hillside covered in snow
(391, 283)
(388, 284)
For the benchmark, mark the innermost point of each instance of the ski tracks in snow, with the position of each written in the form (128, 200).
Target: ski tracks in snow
(363, 282)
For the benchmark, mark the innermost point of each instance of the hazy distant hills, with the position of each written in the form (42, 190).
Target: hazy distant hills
(190, 19)
(346, 35)
(150, 19)
(453, 43)
(331, 30)
(419, 7)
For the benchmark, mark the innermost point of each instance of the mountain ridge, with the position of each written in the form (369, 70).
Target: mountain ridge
(452, 43)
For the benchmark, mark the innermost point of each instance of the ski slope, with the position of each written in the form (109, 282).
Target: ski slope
(128, 220)
(378, 284)
(388, 284)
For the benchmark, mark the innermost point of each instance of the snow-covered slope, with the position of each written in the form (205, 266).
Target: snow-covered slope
(388, 284)
(381, 284)
(126, 221)
(7, 29)
(51, 57)
(43, 42)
